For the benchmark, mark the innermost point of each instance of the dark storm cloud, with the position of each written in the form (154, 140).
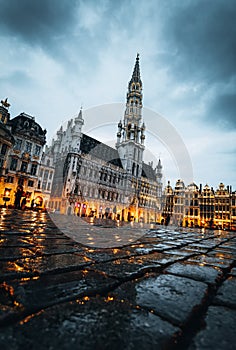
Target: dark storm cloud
(223, 110)
(37, 22)
(201, 35)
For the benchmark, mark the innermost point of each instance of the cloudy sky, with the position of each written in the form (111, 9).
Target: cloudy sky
(59, 55)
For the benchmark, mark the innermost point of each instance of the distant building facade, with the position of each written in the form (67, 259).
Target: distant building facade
(94, 179)
(195, 206)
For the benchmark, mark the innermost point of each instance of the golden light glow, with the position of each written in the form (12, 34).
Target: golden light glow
(17, 304)
(28, 318)
(109, 299)
(115, 251)
(86, 258)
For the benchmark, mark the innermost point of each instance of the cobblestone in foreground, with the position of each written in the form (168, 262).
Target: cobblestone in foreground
(169, 289)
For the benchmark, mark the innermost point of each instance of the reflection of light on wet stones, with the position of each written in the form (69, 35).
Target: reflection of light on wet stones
(102, 237)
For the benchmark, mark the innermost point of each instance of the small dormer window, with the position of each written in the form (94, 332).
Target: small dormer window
(26, 124)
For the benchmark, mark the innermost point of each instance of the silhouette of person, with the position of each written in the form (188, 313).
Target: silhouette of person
(18, 196)
(23, 203)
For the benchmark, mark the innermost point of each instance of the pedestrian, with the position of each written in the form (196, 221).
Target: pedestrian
(32, 204)
(18, 196)
(23, 203)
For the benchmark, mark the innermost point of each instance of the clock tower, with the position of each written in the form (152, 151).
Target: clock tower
(130, 135)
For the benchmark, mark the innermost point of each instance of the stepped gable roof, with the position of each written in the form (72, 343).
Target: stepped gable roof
(148, 172)
(100, 150)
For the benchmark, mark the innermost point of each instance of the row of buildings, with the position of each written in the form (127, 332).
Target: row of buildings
(80, 175)
(199, 206)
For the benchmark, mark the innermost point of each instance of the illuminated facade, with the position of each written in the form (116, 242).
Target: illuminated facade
(24, 162)
(6, 143)
(93, 179)
(200, 207)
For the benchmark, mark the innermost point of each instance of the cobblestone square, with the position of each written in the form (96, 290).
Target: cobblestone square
(170, 288)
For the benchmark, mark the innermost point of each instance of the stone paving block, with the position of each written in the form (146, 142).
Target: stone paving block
(126, 268)
(205, 274)
(219, 331)
(196, 249)
(181, 252)
(50, 263)
(221, 254)
(211, 261)
(31, 296)
(233, 271)
(97, 323)
(171, 297)
(226, 294)
(159, 258)
(14, 253)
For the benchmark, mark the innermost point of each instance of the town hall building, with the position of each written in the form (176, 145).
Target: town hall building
(93, 179)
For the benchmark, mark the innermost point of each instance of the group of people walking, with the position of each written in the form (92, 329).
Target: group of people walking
(20, 199)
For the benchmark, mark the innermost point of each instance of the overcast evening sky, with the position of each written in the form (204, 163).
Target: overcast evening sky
(59, 54)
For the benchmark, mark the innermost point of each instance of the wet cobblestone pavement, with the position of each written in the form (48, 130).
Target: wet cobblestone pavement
(170, 289)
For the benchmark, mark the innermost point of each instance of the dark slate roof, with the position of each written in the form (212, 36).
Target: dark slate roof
(25, 125)
(148, 172)
(99, 150)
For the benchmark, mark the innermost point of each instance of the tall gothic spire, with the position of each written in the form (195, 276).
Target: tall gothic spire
(136, 74)
(131, 136)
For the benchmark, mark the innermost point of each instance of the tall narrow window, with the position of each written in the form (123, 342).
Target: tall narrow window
(18, 144)
(33, 169)
(37, 150)
(28, 147)
(24, 167)
(13, 165)
(4, 149)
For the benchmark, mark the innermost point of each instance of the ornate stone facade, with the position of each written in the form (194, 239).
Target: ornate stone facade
(200, 207)
(26, 165)
(93, 179)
